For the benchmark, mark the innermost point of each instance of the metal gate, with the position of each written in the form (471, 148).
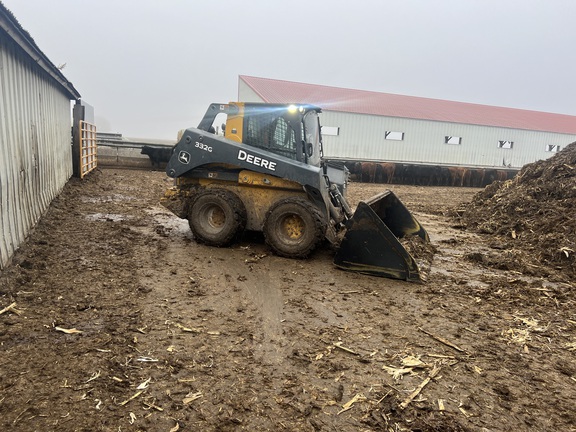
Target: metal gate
(88, 148)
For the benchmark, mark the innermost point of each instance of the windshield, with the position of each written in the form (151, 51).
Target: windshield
(312, 136)
(269, 131)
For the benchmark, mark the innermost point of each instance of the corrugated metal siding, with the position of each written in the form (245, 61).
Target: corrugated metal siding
(246, 94)
(35, 150)
(361, 137)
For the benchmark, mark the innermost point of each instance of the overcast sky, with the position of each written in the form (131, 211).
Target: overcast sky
(151, 67)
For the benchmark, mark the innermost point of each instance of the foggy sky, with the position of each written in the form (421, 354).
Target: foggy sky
(150, 67)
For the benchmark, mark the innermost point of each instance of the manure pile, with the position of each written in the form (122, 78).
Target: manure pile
(535, 213)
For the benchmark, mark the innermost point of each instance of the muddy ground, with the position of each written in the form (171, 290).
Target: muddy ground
(123, 323)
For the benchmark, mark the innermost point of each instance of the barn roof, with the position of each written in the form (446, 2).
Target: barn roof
(394, 105)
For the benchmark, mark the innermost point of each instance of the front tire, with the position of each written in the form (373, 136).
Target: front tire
(217, 217)
(294, 227)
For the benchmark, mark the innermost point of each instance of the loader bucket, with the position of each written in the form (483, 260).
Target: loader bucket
(371, 244)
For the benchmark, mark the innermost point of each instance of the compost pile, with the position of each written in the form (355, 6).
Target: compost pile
(532, 215)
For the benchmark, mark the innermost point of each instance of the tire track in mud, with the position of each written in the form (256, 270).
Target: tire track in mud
(265, 292)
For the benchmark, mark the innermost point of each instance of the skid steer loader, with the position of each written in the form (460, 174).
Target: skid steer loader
(263, 170)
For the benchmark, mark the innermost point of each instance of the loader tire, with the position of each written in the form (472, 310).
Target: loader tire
(217, 217)
(294, 227)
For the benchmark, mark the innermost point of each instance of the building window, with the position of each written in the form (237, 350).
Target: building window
(552, 148)
(330, 130)
(505, 144)
(455, 140)
(395, 136)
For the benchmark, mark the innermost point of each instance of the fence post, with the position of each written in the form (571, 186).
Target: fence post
(77, 116)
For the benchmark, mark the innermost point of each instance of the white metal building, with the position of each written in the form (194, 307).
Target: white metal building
(370, 126)
(35, 133)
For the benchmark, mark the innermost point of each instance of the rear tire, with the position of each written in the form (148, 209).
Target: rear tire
(294, 227)
(217, 217)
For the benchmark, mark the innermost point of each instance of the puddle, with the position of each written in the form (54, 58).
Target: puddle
(171, 223)
(108, 198)
(107, 217)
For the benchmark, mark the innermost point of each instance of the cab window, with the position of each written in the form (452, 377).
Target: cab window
(267, 131)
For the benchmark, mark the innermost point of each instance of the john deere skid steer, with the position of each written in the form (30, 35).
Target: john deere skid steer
(263, 170)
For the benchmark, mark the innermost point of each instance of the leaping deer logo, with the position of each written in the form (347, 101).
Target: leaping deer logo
(184, 157)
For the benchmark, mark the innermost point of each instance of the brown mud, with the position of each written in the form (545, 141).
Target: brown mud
(173, 335)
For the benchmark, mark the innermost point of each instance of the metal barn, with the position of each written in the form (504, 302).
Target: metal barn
(381, 127)
(35, 133)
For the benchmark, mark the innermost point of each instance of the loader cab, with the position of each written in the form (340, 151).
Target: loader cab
(292, 131)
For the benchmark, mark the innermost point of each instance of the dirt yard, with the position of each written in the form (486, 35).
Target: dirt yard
(122, 322)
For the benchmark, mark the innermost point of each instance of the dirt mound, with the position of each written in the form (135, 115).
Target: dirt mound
(533, 213)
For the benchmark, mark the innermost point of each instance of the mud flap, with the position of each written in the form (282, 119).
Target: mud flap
(371, 244)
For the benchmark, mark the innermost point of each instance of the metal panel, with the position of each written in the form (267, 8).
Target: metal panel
(246, 94)
(88, 148)
(362, 137)
(35, 152)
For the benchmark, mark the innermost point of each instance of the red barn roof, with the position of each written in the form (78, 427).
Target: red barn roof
(393, 105)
